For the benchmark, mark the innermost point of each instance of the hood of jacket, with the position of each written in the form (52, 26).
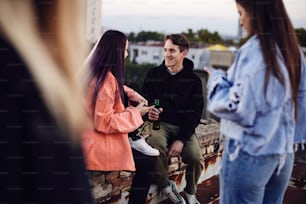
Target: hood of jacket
(187, 64)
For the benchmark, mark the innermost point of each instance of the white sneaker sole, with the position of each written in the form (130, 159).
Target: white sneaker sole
(144, 148)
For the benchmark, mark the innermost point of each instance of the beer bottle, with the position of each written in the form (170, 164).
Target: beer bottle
(156, 123)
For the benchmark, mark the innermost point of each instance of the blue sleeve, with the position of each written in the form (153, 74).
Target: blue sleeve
(231, 100)
(300, 130)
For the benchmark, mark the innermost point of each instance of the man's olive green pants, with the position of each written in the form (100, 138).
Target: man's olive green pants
(191, 154)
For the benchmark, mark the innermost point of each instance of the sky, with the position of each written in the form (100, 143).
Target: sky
(171, 16)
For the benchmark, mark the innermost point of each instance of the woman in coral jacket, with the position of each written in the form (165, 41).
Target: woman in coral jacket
(105, 143)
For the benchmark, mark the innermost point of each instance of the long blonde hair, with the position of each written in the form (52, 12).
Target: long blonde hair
(50, 37)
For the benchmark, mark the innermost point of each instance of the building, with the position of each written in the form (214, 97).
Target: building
(152, 52)
(93, 20)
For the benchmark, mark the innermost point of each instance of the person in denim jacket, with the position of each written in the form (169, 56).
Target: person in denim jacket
(261, 102)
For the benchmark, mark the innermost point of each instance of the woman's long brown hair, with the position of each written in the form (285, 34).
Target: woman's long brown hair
(271, 23)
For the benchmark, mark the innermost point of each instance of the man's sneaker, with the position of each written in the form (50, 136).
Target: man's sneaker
(191, 198)
(139, 143)
(171, 193)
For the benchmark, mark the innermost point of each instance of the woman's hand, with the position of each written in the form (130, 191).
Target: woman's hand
(209, 70)
(143, 100)
(143, 108)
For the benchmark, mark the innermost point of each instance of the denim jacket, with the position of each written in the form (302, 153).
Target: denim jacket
(261, 123)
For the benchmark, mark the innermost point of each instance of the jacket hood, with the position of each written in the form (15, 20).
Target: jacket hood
(187, 63)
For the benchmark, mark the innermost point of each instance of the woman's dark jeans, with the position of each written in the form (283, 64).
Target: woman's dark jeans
(142, 178)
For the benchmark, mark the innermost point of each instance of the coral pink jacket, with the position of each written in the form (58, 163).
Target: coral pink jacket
(105, 144)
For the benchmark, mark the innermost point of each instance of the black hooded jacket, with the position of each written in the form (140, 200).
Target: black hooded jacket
(180, 95)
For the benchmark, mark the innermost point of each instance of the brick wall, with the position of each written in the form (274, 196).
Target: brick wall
(113, 187)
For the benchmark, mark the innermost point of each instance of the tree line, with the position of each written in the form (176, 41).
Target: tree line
(201, 36)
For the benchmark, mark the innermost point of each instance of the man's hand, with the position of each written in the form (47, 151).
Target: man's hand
(154, 113)
(176, 148)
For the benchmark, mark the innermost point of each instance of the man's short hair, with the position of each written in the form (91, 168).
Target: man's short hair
(179, 40)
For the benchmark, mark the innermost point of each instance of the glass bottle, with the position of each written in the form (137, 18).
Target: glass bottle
(156, 123)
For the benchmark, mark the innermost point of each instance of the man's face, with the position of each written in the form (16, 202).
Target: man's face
(172, 55)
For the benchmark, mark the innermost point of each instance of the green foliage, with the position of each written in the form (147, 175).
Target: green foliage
(132, 37)
(207, 37)
(202, 35)
(191, 36)
(135, 74)
(301, 34)
(144, 36)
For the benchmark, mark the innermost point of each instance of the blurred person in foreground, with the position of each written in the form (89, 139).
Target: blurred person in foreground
(106, 144)
(179, 91)
(42, 45)
(261, 102)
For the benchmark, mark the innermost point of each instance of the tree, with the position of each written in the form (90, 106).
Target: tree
(202, 35)
(191, 36)
(144, 36)
(135, 74)
(301, 34)
(207, 37)
(132, 37)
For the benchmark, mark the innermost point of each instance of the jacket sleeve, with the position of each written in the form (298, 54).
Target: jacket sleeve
(231, 100)
(300, 130)
(110, 116)
(133, 95)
